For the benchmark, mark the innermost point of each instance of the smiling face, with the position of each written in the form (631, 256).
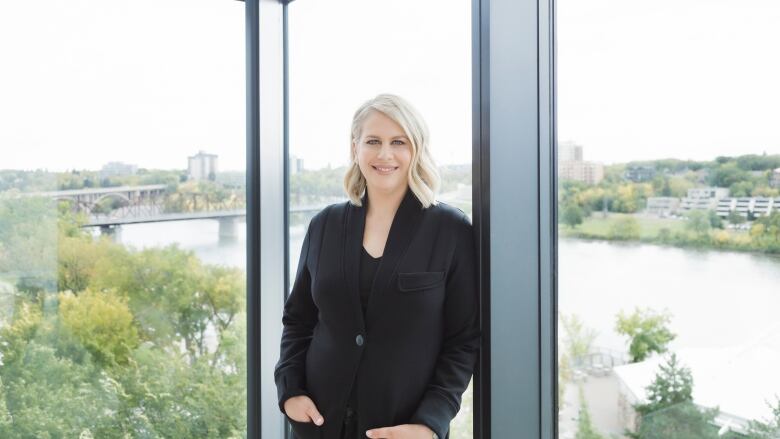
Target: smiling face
(384, 154)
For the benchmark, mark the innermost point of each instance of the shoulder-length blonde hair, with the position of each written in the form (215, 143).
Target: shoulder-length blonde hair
(423, 177)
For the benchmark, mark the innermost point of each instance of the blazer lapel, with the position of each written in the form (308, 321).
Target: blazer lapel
(405, 223)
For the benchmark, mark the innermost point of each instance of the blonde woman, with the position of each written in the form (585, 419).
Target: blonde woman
(381, 329)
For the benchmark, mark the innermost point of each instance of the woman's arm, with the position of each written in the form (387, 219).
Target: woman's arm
(299, 319)
(462, 336)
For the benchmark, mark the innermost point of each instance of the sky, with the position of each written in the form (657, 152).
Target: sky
(151, 82)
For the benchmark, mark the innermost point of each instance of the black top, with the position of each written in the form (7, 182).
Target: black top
(368, 266)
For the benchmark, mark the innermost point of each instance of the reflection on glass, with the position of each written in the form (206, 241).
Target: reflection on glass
(669, 209)
(122, 278)
(361, 50)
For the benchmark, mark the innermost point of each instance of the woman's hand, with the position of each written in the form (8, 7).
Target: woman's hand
(404, 431)
(302, 409)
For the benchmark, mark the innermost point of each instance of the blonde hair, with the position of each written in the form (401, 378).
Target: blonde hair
(424, 179)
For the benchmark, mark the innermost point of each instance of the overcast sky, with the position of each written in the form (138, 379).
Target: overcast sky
(150, 82)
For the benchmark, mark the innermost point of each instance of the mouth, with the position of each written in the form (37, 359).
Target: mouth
(384, 170)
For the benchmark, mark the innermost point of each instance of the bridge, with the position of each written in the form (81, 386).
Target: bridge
(133, 198)
(152, 203)
(228, 219)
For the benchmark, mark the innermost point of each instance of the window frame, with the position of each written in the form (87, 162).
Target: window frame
(513, 146)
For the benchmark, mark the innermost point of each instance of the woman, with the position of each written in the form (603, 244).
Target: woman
(381, 329)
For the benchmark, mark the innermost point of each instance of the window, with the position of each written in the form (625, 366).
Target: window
(122, 241)
(667, 288)
(344, 52)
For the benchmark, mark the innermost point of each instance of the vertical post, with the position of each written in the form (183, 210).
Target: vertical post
(514, 195)
(253, 381)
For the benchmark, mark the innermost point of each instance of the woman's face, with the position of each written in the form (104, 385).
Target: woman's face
(384, 153)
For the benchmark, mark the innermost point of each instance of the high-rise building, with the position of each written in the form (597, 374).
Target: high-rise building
(569, 152)
(202, 166)
(571, 166)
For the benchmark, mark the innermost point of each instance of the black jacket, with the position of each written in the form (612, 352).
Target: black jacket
(415, 352)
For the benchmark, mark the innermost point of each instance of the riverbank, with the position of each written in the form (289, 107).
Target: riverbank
(667, 232)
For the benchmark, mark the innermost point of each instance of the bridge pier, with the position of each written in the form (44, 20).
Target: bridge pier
(228, 229)
(114, 231)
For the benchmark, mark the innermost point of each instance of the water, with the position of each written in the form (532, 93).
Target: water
(716, 298)
(202, 237)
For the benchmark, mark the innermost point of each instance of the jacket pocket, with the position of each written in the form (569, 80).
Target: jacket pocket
(304, 430)
(420, 280)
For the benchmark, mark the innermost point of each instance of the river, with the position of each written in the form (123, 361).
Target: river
(716, 298)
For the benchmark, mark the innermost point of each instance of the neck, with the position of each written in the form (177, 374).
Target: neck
(384, 204)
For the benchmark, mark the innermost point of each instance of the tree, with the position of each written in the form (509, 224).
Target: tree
(647, 332)
(768, 429)
(670, 411)
(699, 224)
(715, 221)
(735, 218)
(573, 215)
(585, 428)
(577, 338)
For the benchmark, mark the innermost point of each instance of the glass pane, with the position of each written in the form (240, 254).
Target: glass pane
(122, 237)
(669, 202)
(345, 52)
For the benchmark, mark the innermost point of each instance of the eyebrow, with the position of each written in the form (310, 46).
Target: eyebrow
(396, 137)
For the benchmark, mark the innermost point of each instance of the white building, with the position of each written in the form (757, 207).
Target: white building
(662, 205)
(202, 166)
(703, 198)
(117, 169)
(740, 380)
(758, 206)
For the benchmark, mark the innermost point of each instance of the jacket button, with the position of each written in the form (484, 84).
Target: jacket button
(359, 340)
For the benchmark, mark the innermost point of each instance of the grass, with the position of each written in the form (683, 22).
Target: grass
(598, 226)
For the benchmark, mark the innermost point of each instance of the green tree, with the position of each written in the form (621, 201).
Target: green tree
(735, 218)
(698, 223)
(102, 322)
(768, 429)
(670, 411)
(647, 331)
(573, 215)
(715, 221)
(585, 428)
(577, 338)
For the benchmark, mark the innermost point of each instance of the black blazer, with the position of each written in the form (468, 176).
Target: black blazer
(416, 350)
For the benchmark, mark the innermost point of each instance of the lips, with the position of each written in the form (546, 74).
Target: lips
(385, 169)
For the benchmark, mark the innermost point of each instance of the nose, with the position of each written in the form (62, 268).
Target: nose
(385, 151)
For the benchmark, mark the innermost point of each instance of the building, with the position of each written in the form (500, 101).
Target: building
(296, 164)
(117, 169)
(745, 206)
(569, 152)
(774, 179)
(703, 198)
(202, 166)
(662, 206)
(639, 174)
(739, 380)
(572, 167)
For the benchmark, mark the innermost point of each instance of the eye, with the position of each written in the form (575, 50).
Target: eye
(371, 141)
(400, 142)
